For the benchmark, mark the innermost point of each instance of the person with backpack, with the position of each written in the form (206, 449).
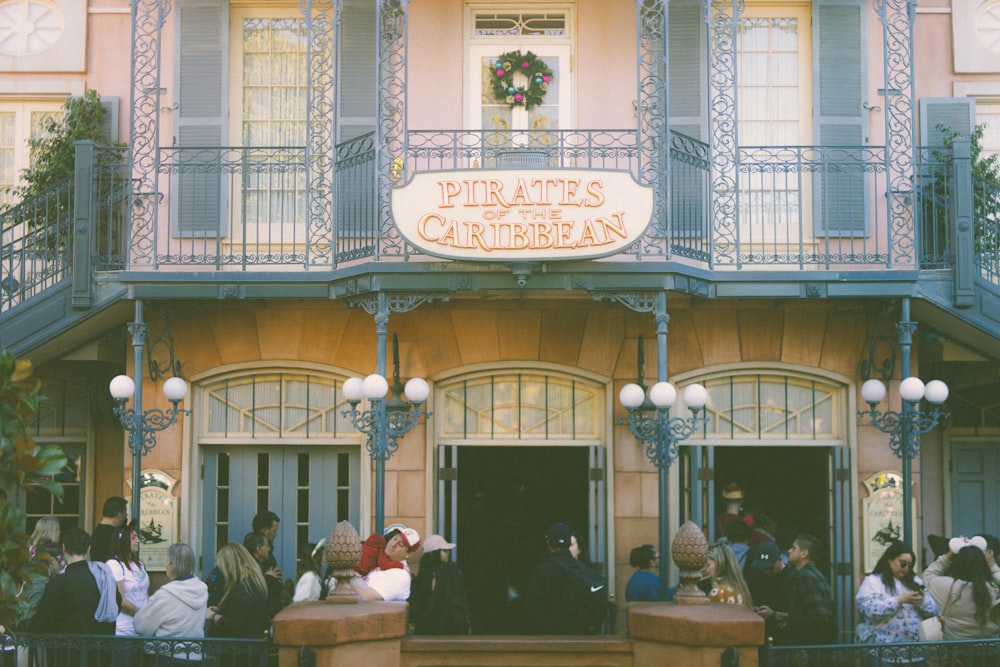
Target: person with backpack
(565, 596)
(438, 604)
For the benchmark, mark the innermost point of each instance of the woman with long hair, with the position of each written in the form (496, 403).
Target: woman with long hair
(962, 586)
(130, 573)
(45, 545)
(891, 599)
(242, 612)
(727, 583)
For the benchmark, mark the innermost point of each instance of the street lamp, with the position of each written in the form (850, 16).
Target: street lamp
(386, 420)
(142, 426)
(649, 420)
(905, 427)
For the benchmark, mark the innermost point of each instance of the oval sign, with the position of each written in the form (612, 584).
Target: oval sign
(521, 214)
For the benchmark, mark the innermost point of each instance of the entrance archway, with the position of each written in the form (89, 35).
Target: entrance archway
(507, 497)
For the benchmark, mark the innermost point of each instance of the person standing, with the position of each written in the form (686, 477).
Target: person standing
(46, 547)
(112, 518)
(178, 608)
(438, 604)
(891, 599)
(242, 610)
(727, 583)
(550, 605)
(961, 583)
(258, 547)
(810, 616)
(72, 602)
(644, 585)
(390, 579)
(130, 575)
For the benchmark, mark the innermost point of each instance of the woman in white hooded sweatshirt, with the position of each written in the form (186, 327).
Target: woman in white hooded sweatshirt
(177, 609)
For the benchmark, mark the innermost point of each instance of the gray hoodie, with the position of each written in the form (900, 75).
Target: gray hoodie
(176, 610)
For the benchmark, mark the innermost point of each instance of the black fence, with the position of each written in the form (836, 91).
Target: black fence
(23, 649)
(965, 653)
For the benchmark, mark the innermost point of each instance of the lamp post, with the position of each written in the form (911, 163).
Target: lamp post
(649, 420)
(141, 425)
(386, 420)
(905, 427)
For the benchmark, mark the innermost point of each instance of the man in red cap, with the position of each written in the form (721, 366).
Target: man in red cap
(389, 579)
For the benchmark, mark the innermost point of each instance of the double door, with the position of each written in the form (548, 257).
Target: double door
(310, 488)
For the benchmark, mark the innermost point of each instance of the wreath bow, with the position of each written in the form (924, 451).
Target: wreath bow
(538, 74)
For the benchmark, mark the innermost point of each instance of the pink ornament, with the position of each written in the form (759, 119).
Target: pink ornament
(518, 97)
(525, 64)
(500, 73)
(546, 78)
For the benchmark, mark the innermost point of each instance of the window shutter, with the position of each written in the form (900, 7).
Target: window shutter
(688, 184)
(200, 117)
(955, 113)
(840, 119)
(356, 98)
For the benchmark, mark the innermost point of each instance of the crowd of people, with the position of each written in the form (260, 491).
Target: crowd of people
(566, 595)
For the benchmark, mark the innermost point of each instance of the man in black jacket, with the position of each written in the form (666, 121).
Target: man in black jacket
(549, 598)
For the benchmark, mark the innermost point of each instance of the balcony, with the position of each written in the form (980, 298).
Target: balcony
(819, 211)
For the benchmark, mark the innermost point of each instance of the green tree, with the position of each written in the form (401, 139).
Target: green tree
(53, 154)
(28, 466)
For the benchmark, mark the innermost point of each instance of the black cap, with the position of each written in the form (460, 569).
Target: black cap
(763, 556)
(558, 534)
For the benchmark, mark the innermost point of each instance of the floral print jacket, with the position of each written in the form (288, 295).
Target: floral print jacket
(890, 620)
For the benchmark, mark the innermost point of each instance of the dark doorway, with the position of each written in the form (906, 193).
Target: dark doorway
(788, 484)
(507, 497)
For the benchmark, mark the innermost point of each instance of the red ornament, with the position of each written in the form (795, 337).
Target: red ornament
(525, 64)
(518, 97)
(500, 73)
(546, 78)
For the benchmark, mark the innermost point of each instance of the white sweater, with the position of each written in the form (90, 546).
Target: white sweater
(176, 609)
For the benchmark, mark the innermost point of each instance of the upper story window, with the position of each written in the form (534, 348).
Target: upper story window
(19, 123)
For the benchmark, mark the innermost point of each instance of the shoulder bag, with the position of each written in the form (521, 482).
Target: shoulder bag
(932, 629)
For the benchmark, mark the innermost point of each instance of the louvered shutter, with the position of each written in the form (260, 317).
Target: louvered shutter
(200, 118)
(956, 114)
(357, 80)
(688, 183)
(840, 119)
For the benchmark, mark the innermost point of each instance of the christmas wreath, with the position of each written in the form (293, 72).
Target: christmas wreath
(532, 67)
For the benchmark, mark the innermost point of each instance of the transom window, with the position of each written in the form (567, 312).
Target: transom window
(276, 405)
(495, 24)
(773, 408)
(521, 406)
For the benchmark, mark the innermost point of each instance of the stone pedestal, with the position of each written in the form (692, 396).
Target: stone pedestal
(367, 633)
(694, 636)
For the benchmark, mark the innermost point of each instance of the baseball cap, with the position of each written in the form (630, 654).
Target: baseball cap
(763, 556)
(411, 537)
(558, 534)
(733, 491)
(436, 543)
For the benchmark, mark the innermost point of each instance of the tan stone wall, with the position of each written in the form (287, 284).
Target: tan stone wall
(601, 338)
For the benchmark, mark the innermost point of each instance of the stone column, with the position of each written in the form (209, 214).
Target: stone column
(693, 635)
(351, 634)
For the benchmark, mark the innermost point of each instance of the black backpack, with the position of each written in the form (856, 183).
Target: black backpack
(584, 603)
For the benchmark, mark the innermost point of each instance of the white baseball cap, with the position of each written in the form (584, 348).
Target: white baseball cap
(437, 543)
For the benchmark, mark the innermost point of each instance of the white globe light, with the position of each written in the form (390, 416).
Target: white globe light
(354, 389)
(695, 396)
(631, 396)
(375, 386)
(936, 392)
(175, 389)
(122, 387)
(911, 389)
(417, 390)
(873, 391)
(663, 394)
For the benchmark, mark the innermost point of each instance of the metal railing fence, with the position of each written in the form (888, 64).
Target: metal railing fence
(963, 653)
(26, 649)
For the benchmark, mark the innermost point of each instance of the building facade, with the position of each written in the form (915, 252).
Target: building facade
(530, 205)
